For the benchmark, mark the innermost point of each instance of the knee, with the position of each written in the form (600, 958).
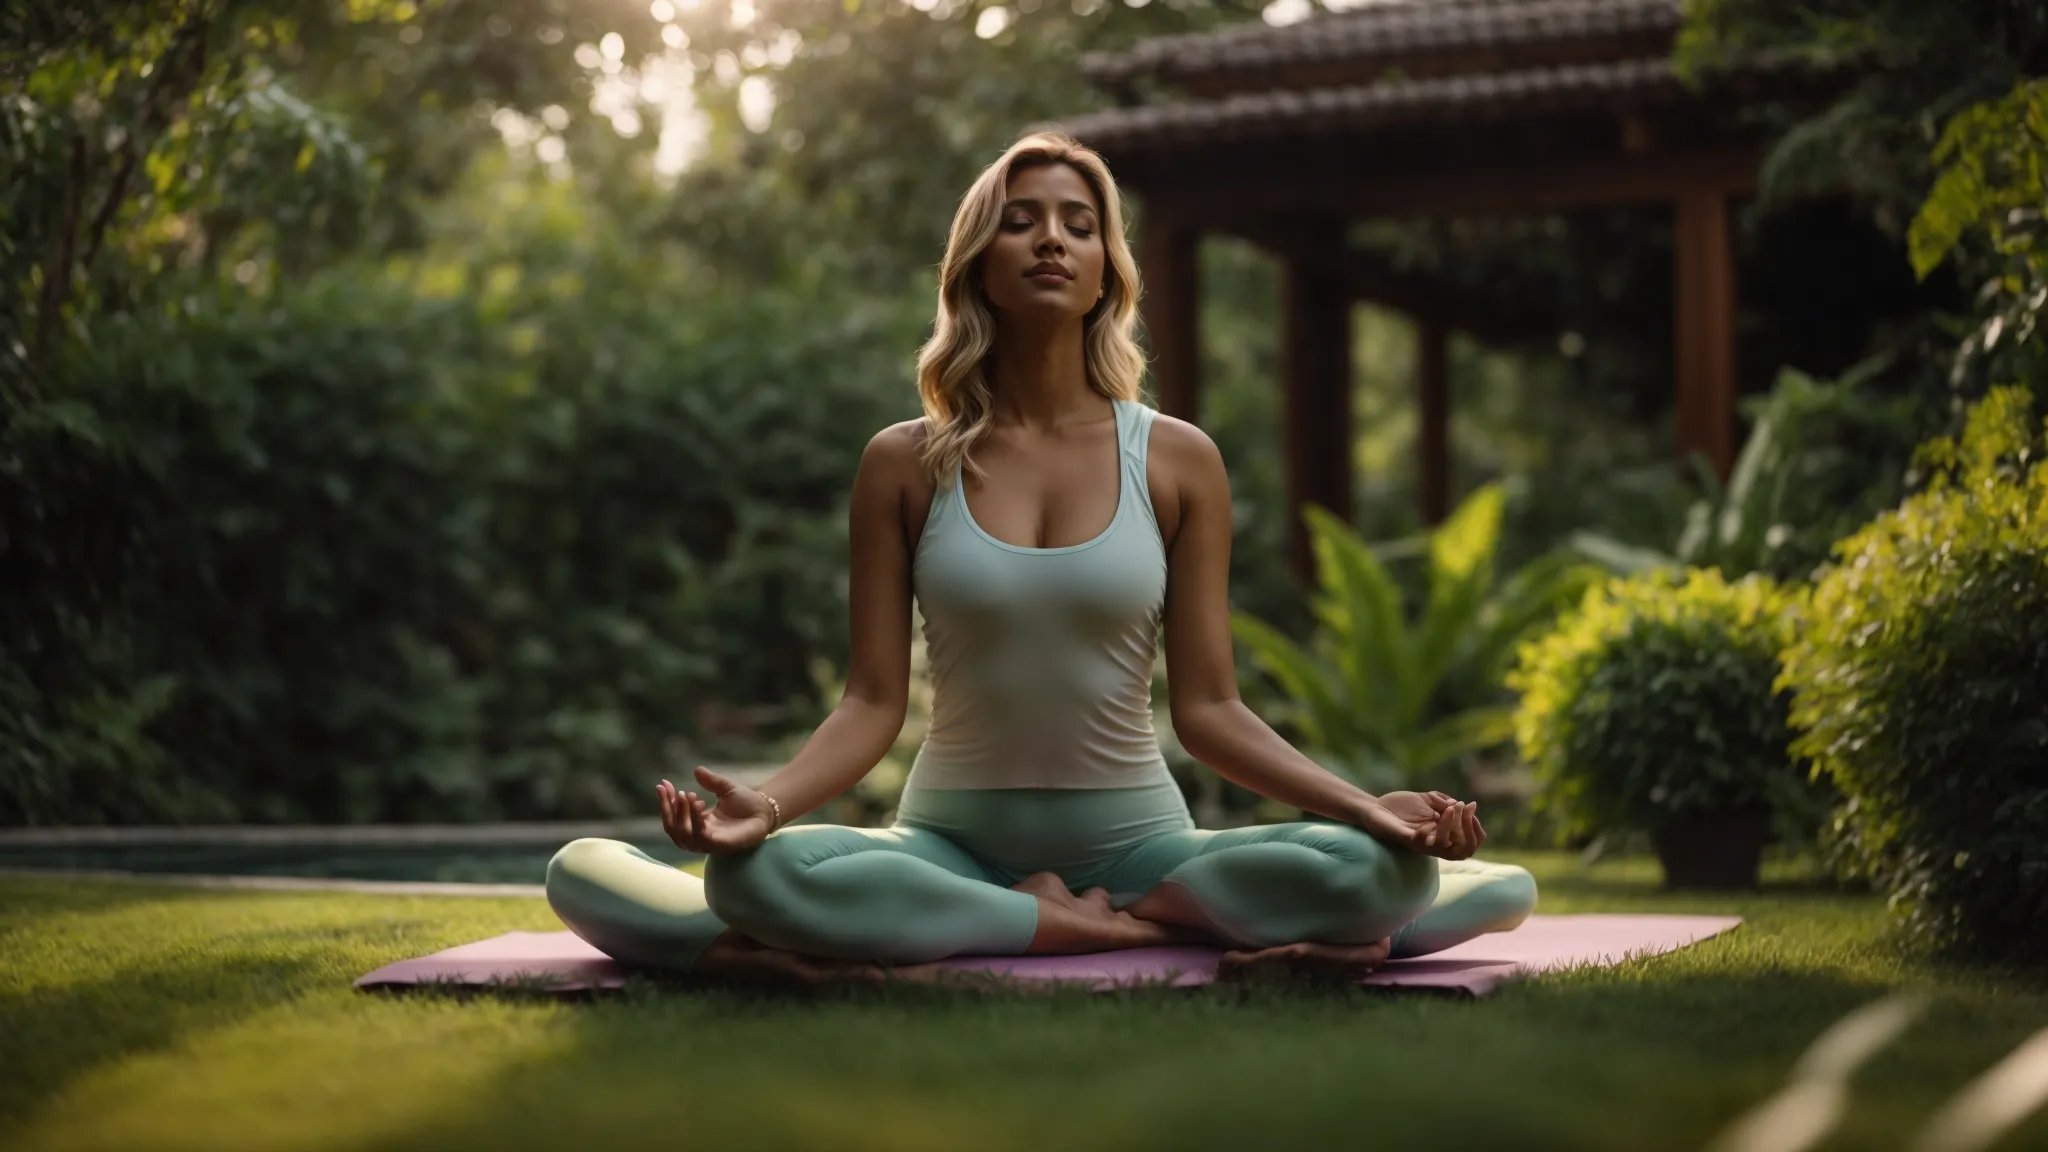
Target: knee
(629, 905)
(1508, 896)
(576, 885)
(1375, 878)
(757, 889)
(578, 862)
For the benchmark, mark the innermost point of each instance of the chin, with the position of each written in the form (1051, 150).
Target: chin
(1049, 304)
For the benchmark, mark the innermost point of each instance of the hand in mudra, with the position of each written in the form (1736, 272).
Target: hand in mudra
(1427, 822)
(742, 819)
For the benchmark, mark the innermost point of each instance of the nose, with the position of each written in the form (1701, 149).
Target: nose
(1049, 242)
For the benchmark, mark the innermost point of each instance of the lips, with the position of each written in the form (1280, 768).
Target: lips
(1049, 268)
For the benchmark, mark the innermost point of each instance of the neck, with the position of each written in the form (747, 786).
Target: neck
(1040, 377)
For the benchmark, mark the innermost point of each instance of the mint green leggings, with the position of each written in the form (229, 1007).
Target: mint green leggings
(937, 883)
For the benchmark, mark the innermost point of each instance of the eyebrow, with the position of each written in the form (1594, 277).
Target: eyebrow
(1021, 202)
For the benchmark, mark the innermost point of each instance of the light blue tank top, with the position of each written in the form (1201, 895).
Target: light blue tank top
(1041, 658)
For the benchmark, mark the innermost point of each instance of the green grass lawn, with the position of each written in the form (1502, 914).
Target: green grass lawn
(142, 1016)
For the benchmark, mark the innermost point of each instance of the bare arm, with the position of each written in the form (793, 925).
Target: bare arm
(869, 716)
(1210, 718)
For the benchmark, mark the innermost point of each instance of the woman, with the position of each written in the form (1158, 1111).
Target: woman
(1050, 527)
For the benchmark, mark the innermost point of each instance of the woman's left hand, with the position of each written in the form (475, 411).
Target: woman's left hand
(741, 820)
(1427, 822)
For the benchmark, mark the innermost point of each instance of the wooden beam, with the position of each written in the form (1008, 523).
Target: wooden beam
(1353, 183)
(1169, 261)
(1433, 401)
(1704, 329)
(1365, 277)
(1369, 279)
(1638, 132)
(1316, 366)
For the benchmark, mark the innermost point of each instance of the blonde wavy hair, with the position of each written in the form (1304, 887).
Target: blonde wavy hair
(952, 376)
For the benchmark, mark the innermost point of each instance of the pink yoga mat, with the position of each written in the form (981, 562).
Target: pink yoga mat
(562, 963)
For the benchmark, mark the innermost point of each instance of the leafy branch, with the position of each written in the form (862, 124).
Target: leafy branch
(172, 79)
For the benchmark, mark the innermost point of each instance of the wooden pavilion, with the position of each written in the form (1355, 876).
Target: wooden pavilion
(1288, 136)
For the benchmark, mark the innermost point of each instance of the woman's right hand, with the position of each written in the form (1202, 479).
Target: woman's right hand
(1427, 822)
(742, 819)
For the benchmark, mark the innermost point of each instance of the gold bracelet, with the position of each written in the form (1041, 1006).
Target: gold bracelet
(774, 821)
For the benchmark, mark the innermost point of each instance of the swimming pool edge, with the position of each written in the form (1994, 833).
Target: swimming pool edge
(280, 883)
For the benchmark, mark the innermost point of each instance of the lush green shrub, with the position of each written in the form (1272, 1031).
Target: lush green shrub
(1656, 699)
(230, 527)
(1921, 688)
(351, 553)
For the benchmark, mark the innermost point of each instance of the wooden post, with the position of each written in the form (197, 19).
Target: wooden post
(1704, 329)
(1169, 260)
(1316, 367)
(1433, 400)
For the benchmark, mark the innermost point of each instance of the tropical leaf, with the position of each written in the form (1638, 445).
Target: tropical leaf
(1617, 557)
(1295, 672)
(1531, 597)
(1360, 610)
(1364, 713)
(1460, 576)
(1759, 454)
(1375, 770)
(1700, 519)
(1459, 735)
(1465, 543)
(1380, 699)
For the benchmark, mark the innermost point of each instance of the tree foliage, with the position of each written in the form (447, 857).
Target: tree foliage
(1987, 201)
(882, 113)
(145, 137)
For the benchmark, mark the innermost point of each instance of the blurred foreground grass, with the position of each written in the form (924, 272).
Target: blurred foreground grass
(135, 1016)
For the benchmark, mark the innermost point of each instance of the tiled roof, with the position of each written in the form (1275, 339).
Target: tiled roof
(1494, 96)
(1386, 30)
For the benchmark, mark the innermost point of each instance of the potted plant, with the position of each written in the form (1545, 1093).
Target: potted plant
(1654, 705)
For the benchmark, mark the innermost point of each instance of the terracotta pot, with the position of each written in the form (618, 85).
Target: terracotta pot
(1716, 850)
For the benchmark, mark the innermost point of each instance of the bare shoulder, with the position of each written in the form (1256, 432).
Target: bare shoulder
(1185, 449)
(1185, 472)
(892, 469)
(894, 451)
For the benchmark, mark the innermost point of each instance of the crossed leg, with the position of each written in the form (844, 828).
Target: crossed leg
(1473, 898)
(824, 903)
(635, 908)
(1318, 896)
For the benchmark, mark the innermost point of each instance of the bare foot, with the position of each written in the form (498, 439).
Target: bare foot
(1049, 886)
(1344, 963)
(1069, 924)
(1169, 903)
